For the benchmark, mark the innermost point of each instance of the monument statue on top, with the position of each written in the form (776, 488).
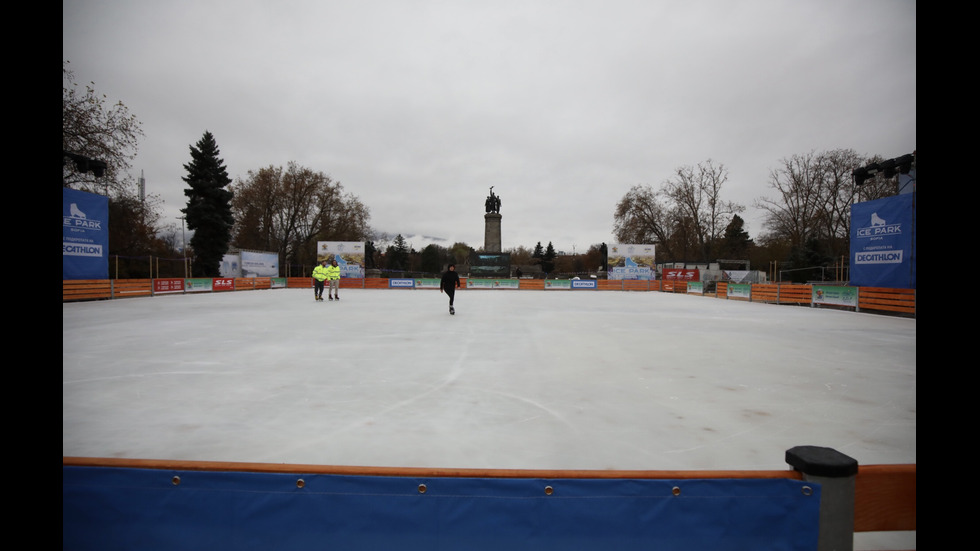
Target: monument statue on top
(493, 202)
(491, 236)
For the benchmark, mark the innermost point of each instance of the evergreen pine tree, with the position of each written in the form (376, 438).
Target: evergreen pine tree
(736, 243)
(208, 208)
(433, 258)
(397, 254)
(548, 260)
(369, 251)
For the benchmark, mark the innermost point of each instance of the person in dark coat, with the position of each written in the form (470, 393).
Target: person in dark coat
(449, 284)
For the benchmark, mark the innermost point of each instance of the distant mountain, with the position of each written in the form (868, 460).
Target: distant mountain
(414, 241)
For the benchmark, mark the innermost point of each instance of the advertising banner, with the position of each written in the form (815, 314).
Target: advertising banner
(490, 265)
(168, 285)
(196, 284)
(259, 264)
(680, 274)
(584, 284)
(349, 256)
(883, 242)
(401, 283)
(476, 283)
(739, 276)
(427, 283)
(85, 235)
(223, 284)
(231, 265)
(835, 295)
(628, 261)
(739, 290)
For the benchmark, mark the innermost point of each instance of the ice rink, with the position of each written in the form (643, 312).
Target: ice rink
(563, 379)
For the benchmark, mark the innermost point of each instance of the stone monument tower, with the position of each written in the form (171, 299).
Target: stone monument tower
(491, 236)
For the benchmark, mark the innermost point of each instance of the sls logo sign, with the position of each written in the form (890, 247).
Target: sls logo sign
(879, 228)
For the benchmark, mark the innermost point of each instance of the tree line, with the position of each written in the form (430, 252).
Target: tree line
(288, 209)
(806, 220)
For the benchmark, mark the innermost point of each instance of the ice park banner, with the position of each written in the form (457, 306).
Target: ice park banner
(628, 261)
(349, 256)
(883, 242)
(85, 237)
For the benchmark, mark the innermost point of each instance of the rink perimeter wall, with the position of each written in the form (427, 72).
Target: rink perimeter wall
(112, 504)
(874, 299)
(147, 504)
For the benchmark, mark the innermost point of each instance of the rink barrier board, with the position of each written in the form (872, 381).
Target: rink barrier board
(104, 495)
(781, 294)
(86, 289)
(252, 283)
(869, 298)
(893, 300)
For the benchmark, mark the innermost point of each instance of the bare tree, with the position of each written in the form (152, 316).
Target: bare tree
(642, 216)
(288, 210)
(96, 131)
(696, 195)
(793, 214)
(520, 255)
(837, 192)
(687, 216)
(814, 194)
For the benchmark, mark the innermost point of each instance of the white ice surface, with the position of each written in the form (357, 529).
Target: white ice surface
(515, 380)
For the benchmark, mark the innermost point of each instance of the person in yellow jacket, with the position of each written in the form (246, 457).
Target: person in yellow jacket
(333, 280)
(320, 274)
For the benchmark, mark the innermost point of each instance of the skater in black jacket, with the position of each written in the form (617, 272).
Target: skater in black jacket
(449, 284)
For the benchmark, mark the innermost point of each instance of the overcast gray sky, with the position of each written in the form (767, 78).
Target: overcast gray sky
(418, 106)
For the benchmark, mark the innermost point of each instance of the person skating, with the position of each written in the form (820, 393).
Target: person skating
(333, 280)
(319, 275)
(449, 284)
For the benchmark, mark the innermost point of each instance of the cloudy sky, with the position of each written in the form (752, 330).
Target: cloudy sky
(417, 107)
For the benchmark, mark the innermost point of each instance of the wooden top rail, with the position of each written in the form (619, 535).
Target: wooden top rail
(299, 282)
(636, 285)
(765, 292)
(891, 300)
(532, 284)
(122, 288)
(798, 294)
(608, 285)
(246, 283)
(672, 286)
(222, 466)
(86, 289)
(884, 498)
(375, 283)
(352, 283)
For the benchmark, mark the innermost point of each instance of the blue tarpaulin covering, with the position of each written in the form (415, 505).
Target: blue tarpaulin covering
(108, 508)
